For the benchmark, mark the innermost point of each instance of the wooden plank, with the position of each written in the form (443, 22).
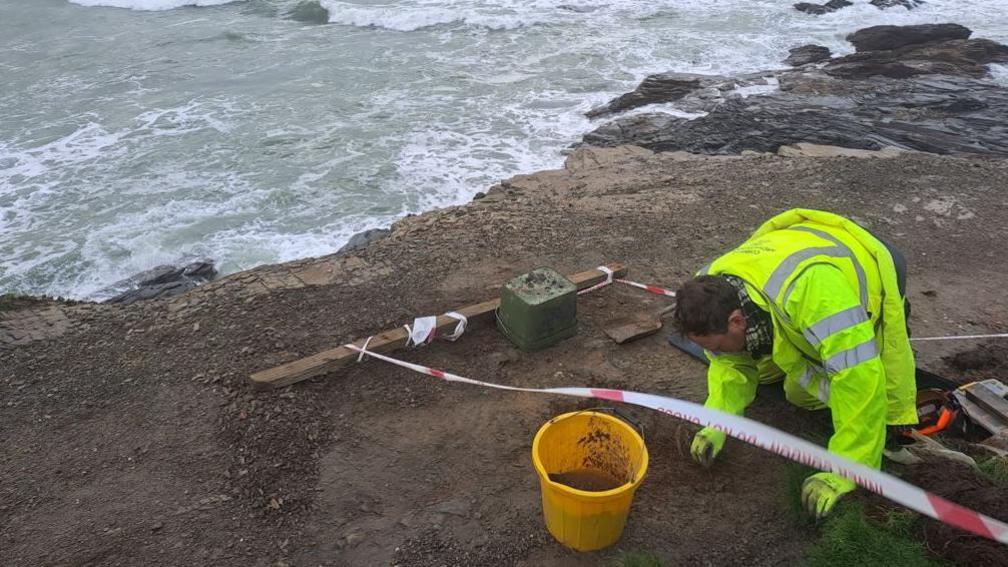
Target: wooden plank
(989, 397)
(979, 415)
(980, 401)
(335, 358)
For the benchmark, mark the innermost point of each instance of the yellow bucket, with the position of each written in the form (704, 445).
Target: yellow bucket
(570, 443)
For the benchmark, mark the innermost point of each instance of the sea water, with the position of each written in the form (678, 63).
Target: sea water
(141, 132)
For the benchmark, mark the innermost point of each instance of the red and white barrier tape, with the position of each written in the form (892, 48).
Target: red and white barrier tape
(609, 279)
(650, 288)
(768, 438)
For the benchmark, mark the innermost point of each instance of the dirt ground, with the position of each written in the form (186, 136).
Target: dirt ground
(131, 436)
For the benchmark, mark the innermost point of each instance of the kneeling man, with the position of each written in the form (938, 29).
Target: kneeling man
(816, 299)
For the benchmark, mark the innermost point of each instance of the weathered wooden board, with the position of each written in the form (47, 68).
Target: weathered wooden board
(334, 358)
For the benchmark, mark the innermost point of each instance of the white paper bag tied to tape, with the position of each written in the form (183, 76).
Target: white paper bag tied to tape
(459, 328)
(770, 439)
(422, 331)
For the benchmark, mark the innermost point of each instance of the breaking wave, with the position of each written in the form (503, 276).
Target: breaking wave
(420, 15)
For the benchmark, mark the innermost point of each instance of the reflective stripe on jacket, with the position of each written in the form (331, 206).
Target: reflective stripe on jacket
(839, 327)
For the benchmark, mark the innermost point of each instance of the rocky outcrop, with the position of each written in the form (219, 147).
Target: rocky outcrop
(879, 38)
(954, 57)
(929, 92)
(908, 4)
(362, 240)
(807, 54)
(820, 9)
(577, 8)
(309, 12)
(163, 281)
(691, 92)
(834, 5)
(663, 87)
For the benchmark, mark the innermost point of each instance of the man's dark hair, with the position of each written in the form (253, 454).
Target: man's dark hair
(703, 305)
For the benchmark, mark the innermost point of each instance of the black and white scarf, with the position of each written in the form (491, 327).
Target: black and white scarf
(759, 325)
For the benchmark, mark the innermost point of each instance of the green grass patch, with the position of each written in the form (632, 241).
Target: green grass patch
(848, 537)
(996, 469)
(637, 559)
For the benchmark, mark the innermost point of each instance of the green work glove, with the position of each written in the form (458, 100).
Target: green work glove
(706, 445)
(821, 491)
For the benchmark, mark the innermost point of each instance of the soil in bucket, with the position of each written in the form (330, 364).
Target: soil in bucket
(592, 480)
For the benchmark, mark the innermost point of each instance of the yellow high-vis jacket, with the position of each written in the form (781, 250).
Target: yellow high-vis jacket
(840, 333)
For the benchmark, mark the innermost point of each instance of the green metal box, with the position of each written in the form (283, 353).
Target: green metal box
(538, 309)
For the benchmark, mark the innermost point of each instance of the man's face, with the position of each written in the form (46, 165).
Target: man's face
(732, 340)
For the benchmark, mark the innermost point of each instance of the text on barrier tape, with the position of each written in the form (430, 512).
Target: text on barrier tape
(770, 439)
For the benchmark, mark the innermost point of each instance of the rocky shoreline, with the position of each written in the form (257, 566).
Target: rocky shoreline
(922, 88)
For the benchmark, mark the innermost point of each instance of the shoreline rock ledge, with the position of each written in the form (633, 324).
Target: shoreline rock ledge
(923, 87)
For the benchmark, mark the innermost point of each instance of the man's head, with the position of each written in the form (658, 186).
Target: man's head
(708, 312)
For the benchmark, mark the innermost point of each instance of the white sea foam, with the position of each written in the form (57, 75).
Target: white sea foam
(417, 15)
(746, 91)
(666, 108)
(999, 73)
(150, 5)
(389, 17)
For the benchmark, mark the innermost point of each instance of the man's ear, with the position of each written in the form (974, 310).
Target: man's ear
(737, 319)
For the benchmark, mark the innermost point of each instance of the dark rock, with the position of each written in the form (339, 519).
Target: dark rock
(155, 275)
(162, 281)
(646, 130)
(908, 4)
(202, 270)
(851, 67)
(933, 97)
(309, 12)
(663, 87)
(955, 57)
(820, 9)
(578, 9)
(155, 291)
(362, 240)
(878, 38)
(944, 115)
(807, 54)
(479, 195)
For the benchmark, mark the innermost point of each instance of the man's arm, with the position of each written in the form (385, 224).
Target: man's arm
(731, 387)
(731, 382)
